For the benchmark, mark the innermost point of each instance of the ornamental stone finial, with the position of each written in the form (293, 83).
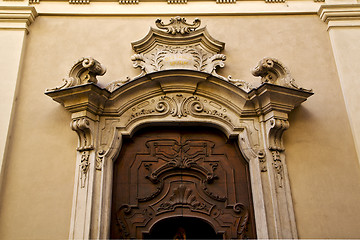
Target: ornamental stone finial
(273, 71)
(83, 71)
(178, 25)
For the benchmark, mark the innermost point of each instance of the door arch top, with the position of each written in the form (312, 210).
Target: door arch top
(180, 95)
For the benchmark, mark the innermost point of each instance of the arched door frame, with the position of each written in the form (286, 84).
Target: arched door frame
(256, 118)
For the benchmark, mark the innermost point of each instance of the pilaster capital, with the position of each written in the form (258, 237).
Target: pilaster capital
(17, 17)
(340, 15)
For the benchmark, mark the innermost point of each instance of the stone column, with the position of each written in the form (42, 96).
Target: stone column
(14, 24)
(344, 30)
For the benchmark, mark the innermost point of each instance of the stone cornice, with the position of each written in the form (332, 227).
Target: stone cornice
(340, 15)
(17, 17)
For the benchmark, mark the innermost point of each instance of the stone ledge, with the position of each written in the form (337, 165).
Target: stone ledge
(340, 15)
(17, 17)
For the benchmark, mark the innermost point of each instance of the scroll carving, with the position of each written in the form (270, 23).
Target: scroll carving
(84, 166)
(262, 160)
(178, 25)
(273, 71)
(82, 127)
(84, 71)
(242, 220)
(99, 159)
(276, 130)
(179, 106)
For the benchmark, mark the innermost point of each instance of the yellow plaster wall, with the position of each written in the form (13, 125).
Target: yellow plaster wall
(322, 163)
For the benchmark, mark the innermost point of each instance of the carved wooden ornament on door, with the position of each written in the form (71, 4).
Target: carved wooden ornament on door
(181, 172)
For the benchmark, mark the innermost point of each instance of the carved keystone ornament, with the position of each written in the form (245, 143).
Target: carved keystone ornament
(178, 85)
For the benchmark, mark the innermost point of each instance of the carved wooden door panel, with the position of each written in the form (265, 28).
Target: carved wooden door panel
(163, 173)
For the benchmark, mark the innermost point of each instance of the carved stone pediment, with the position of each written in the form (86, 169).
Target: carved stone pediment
(180, 46)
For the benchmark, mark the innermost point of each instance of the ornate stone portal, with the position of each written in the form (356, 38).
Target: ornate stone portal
(179, 85)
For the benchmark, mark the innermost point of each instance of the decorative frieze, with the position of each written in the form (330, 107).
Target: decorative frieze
(128, 1)
(274, 1)
(225, 1)
(79, 1)
(177, 1)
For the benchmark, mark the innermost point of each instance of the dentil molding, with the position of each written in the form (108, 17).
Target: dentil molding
(178, 84)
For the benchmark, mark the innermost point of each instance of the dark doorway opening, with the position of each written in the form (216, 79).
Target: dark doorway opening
(182, 228)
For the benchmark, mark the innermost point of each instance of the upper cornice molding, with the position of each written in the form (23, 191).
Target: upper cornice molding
(340, 15)
(162, 8)
(17, 17)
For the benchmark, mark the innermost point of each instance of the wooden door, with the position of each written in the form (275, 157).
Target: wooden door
(181, 173)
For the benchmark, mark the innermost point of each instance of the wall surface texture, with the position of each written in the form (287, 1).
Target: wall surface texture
(320, 152)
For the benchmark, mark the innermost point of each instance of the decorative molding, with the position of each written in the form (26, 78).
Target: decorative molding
(225, 1)
(82, 127)
(84, 167)
(34, 1)
(79, 1)
(276, 130)
(262, 161)
(183, 196)
(178, 25)
(128, 1)
(177, 1)
(278, 168)
(274, 1)
(17, 17)
(84, 71)
(111, 87)
(179, 106)
(100, 159)
(273, 71)
(340, 15)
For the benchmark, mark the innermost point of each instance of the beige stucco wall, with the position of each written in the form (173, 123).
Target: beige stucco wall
(322, 162)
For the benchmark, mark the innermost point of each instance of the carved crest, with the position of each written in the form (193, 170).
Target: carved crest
(178, 25)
